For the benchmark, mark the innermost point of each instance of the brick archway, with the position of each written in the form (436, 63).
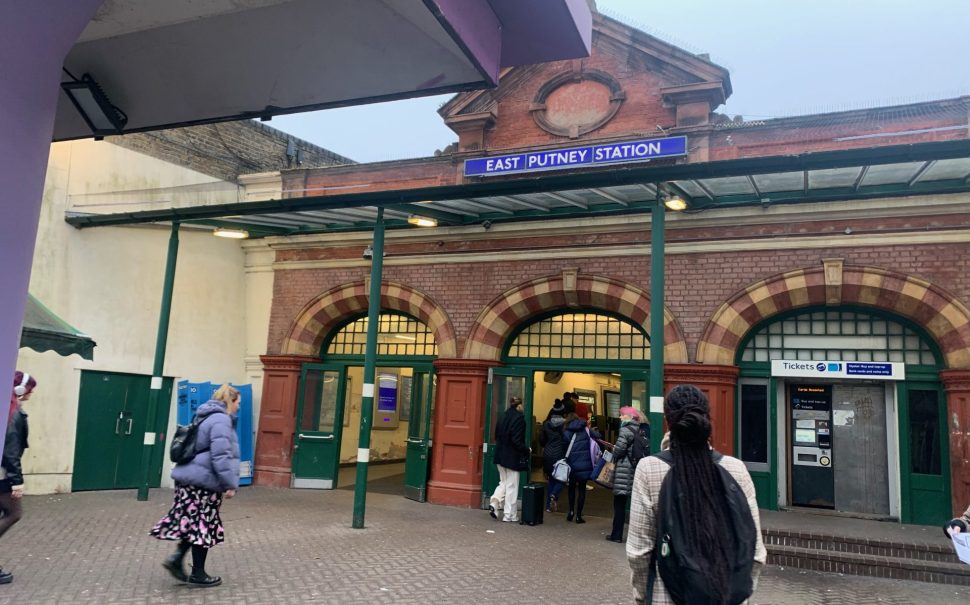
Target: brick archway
(945, 318)
(567, 291)
(317, 319)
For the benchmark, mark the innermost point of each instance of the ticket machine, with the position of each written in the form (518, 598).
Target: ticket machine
(812, 477)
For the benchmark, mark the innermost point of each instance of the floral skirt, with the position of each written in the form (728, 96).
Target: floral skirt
(194, 517)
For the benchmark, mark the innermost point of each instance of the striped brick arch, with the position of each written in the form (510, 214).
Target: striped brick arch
(944, 317)
(330, 309)
(566, 292)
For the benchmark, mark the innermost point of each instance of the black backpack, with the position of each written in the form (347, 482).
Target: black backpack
(672, 558)
(640, 448)
(182, 449)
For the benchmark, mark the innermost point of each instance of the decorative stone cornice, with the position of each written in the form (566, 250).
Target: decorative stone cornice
(285, 362)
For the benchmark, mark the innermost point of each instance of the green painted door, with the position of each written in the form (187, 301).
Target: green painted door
(924, 463)
(112, 415)
(503, 383)
(418, 454)
(319, 424)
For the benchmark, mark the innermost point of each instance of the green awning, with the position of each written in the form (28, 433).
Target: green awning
(45, 331)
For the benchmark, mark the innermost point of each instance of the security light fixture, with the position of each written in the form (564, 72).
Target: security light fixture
(672, 200)
(422, 221)
(101, 116)
(231, 233)
(675, 203)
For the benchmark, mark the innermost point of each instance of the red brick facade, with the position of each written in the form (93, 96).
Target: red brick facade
(464, 274)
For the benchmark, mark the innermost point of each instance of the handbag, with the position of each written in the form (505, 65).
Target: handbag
(561, 469)
(604, 472)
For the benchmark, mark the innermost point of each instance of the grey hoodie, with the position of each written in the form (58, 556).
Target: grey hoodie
(216, 465)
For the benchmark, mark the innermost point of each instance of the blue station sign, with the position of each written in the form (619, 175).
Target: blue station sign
(593, 155)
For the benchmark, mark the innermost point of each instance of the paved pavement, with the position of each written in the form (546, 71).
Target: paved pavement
(288, 546)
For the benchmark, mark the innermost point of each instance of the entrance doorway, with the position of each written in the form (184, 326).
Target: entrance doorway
(328, 409)
(602, 392)
(328, 422)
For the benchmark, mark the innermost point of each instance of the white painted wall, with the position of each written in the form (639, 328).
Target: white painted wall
(108, 283)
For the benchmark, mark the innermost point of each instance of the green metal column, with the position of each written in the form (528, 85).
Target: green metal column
(370, 366)
(161, 341)
(656, 321)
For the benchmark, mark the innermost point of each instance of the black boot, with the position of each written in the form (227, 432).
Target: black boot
(569, 516)
(5, 577)
(173, 562)
(579, 519)
(200, 578)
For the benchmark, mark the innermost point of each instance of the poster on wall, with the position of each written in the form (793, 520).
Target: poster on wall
(612, 401)
(386, 402)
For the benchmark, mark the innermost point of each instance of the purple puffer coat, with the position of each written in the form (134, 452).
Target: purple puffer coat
(216, 465)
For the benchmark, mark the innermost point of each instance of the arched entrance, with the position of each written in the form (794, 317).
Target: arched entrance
(310, 374)
(841, 364)
(330, 395)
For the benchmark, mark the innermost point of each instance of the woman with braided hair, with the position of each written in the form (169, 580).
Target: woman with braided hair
(694, 474)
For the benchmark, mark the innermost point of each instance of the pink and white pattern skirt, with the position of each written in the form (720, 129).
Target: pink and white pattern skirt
(194, 517)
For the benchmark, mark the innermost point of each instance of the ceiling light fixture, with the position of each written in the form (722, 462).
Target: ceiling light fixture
(100, 114)
(422, 221)
(231, 233)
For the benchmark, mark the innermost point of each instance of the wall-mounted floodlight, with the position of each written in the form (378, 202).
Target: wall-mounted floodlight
(422, 221)
(672, 200)
(231, 233)
(101, 116)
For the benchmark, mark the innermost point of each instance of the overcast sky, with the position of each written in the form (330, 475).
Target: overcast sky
(786, 57)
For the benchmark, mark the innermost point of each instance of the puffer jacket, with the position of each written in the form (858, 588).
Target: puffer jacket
(579, 459)
(11, 472)
(623, 479)
(553, 447)
(510, 448)
(216, 465)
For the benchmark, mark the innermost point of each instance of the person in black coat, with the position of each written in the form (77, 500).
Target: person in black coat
(11, 472)
(511, 457)
(553, 449)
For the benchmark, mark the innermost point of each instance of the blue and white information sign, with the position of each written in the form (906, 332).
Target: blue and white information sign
(839, 369)
(576, 157)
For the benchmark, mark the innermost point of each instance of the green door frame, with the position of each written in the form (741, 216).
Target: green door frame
(917, 490)
(312, 446)
(341, 364)
(494, 407)
(418, 451)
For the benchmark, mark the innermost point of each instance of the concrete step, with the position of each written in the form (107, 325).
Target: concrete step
(861, 564)
(880, 547)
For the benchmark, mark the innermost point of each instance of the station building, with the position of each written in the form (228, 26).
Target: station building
(823, 311)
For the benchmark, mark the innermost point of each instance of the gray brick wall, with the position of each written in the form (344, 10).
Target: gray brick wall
(228, 149)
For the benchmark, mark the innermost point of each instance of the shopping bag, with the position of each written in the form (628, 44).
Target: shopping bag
(604, 470)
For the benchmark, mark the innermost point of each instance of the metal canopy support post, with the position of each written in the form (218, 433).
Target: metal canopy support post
(161, 342)
(370, 363)
(657, 322)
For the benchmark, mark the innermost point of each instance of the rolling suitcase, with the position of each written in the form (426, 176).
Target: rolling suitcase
(533, 503)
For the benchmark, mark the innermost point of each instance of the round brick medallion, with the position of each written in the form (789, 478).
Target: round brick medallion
(574, 103)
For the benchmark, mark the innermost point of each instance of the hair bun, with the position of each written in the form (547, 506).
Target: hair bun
(693, 427)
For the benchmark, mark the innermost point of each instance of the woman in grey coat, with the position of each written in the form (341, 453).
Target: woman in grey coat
(200, 486)
(625, 468)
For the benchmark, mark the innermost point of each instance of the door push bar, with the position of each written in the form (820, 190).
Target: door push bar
(319, 437)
